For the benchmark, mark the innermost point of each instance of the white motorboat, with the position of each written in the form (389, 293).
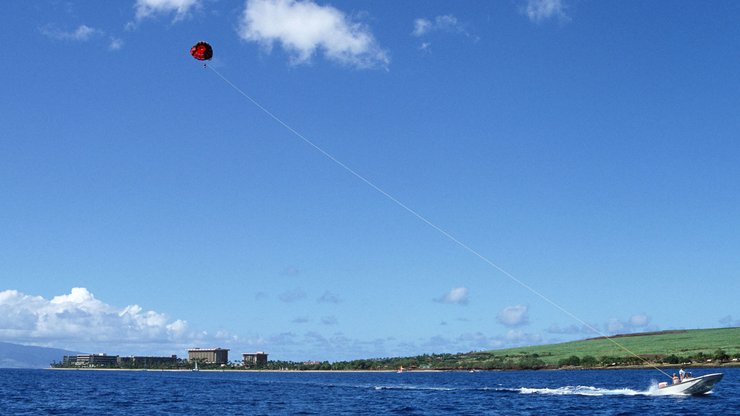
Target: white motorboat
(691, 385)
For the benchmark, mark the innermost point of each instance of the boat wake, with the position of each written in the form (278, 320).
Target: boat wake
(553, 391)
(582, 391)
(652, 390)
(412, 387)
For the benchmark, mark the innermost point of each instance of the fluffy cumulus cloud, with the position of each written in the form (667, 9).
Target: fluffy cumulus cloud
(79, 319)
(304, 28)
(180, 8)
(83, 33)
(541, 10)
(513, 316)
(458, 296)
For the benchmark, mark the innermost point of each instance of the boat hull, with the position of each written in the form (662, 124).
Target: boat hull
(694, 385)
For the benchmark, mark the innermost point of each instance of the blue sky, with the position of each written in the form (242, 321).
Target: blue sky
(590, 149)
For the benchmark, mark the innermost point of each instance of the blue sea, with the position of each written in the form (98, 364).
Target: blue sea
(592, 392)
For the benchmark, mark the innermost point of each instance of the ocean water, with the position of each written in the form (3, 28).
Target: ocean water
(592, 392)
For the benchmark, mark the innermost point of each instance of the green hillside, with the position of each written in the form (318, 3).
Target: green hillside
(653, 346)
(696, 347)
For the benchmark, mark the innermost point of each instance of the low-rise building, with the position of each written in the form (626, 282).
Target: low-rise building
(209, 355)
(148, 362)
(254, 358)
(90, 360)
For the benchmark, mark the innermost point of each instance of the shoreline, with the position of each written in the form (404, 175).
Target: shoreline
(422, 370)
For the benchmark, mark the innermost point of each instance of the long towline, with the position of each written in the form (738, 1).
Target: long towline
(428, 222)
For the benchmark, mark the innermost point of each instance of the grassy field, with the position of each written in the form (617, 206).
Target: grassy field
(680, 343)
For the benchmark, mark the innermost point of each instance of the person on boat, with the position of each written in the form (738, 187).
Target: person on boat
(675, 379)
(681, 374)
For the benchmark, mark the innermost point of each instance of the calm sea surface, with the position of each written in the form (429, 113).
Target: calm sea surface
(618, 392)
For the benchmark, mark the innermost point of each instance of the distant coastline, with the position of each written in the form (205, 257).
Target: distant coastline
(699, 348)
(416, 370)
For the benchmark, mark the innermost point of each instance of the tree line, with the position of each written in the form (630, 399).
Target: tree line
(463, 361)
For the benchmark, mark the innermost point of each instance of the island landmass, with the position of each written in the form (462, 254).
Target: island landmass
(696, 348)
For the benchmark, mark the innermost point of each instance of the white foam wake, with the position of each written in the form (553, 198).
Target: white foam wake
(582, 391)
(653, 390)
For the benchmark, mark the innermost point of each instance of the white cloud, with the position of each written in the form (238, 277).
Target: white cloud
(80, 320)
(636, 323)
(304, 28)
(458, 295)
(148, 8)
(448, 23)
(421, 26)
(513, 316)
(83, 33)
(540, 10)
(445, 23)
(115, 44)
(639, 321)
(178, 327)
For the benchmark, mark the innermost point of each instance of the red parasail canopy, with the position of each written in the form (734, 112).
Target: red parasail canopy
(202, 51)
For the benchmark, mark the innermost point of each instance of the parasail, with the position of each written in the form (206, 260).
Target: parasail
(202, 51)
